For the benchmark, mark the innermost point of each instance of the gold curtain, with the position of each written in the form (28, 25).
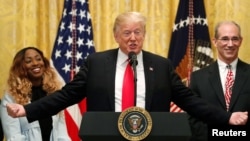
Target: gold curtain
(35, 22)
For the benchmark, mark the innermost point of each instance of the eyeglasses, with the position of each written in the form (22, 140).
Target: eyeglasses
(234, 40)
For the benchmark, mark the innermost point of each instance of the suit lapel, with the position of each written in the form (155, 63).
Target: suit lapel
(240, 78)
(110, 68)
(149, 73)
(215, 81)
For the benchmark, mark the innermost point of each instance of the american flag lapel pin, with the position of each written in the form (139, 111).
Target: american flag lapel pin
(151, 68)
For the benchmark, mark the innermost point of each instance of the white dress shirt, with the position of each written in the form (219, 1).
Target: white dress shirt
(120, 70)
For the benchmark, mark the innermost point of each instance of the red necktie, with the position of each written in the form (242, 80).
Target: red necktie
(128, 88)
(228, 86)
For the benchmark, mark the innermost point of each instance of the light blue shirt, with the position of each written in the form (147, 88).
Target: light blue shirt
(19, 129)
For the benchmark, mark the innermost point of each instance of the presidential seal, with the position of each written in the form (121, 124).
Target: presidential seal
(134, 123)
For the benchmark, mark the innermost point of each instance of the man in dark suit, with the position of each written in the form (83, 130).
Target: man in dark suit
(101, 75)
(210, 83)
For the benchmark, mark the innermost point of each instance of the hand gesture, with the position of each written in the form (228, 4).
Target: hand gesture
(15, 110)
(238, 118)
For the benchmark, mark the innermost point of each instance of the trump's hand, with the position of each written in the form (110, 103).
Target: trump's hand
(238, 118)
(15, 110)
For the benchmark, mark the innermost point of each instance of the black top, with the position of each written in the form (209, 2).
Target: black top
(1, 129)
(46, 123)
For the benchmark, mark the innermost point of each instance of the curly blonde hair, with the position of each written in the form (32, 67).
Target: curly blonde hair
(19, 85)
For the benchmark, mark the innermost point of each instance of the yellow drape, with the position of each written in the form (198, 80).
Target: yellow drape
(35, 22)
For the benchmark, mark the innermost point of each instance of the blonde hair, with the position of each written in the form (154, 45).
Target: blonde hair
(128, 17)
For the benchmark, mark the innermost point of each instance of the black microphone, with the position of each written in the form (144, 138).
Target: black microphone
(133, 62)
(132, 58)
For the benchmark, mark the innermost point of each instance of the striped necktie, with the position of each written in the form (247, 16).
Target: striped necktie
(228, 86)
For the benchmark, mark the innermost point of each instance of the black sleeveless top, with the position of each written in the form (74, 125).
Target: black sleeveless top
(46, 123)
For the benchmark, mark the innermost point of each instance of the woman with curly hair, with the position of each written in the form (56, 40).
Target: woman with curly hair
(31, 77)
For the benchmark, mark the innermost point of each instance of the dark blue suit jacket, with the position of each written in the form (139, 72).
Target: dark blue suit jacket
(96, 82)
(206, 84)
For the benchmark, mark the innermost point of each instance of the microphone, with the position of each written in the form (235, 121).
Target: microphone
(132, 58)
(133, 62)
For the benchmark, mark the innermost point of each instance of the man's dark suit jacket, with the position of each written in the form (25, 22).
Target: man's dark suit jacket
(206, 83)
(96, 82)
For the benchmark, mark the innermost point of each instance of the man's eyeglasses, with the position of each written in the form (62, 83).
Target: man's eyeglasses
(234, 40)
